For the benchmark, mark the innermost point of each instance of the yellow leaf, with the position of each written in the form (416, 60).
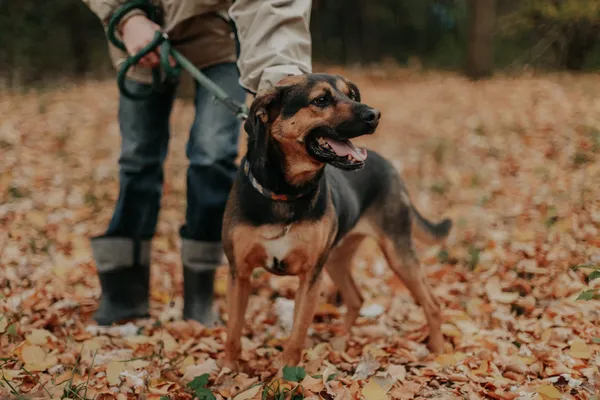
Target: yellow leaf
(169, 342)
(135, 341)
(374, 351)
(189, 360)
(221, 286)
(39, 337)
(10, 374)
(206, 367)
(37, 219)
(483, 368)
(313, 384)
(579, 349)
(548, 392)
(248, 394)
(450, 359)
(372, 391)
(33, 354)
(3, 323)
(451, 331)
(113, 370)
(495, 293)
(36, 360)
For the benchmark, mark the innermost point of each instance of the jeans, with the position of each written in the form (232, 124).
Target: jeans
(211, 150)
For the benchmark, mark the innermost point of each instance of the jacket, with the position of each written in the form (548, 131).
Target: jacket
(274, 36)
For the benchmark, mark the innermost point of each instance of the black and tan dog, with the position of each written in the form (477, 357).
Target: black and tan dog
(305, 198)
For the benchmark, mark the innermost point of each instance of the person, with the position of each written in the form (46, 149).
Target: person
(244, 47)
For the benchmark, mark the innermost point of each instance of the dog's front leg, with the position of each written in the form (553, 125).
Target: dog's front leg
(304, 312)
(238, 292)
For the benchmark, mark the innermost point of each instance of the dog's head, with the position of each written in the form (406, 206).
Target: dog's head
(309, 121)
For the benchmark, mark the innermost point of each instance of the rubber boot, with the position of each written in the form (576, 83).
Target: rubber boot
(124, 270)
(200, 261)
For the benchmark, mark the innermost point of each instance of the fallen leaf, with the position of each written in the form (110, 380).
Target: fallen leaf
(285, 313)
(366, 367)
(549, 392)
(327, 310)
(450, 359)
(384, 380)
(579, 349)
(39, 337)
(136, 364)
(398, 372)
(313, 384)
(113, 372)
(37, 219)
(495, 293)
(10, 374)
(372, 391)
(372, 311)
(36, 359)
(3, 323)
(192, 371)
(328, 372)
(189, 360)
(248, 394)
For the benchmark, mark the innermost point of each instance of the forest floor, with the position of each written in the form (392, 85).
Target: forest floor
(515, 162)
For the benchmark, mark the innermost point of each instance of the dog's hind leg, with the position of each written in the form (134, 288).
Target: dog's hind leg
(393, 219)
(339, 268)
(402, 259)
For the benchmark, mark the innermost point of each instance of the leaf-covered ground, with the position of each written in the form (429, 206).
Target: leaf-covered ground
(515, 163)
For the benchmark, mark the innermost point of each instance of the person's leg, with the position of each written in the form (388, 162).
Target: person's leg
(122, 254)
(212, 150)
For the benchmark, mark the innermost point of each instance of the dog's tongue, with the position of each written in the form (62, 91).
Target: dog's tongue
(346, 147)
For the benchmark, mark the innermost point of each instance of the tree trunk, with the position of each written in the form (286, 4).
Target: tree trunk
(352, 31)
(579, 45)
(480, 44)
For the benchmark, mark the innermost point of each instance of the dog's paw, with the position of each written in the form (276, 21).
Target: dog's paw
(232, 365)
(436, 343)
(289, 357)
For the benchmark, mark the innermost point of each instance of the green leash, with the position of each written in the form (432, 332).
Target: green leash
(161, 39)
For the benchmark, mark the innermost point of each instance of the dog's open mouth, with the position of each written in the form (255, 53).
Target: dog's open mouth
(343, 148)
(340, 153)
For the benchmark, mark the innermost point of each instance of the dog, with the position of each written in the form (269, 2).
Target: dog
(304, 199)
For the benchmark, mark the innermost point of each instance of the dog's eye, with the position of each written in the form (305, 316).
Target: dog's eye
(322, 101)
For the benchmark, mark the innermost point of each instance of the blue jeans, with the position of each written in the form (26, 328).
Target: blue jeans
(211, 149)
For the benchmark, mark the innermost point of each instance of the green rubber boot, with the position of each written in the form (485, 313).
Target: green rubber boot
(124, 270)
(200, 261)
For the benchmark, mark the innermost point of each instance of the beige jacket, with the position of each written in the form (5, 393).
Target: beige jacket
(274, 36)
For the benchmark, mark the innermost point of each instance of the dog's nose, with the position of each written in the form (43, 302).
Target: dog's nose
(372, 117)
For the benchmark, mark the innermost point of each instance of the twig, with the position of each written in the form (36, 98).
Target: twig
(87, 383)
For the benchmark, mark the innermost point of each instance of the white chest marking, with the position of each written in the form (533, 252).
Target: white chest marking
(277, 249)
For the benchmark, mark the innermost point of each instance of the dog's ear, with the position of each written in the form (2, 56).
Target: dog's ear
(354, 92)
(263, 111)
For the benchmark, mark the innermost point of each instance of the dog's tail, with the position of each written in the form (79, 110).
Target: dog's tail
(427, 231)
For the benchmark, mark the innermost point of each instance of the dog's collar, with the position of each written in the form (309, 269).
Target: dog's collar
(263, 190)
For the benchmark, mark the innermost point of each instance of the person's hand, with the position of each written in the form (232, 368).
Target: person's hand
(137, 32)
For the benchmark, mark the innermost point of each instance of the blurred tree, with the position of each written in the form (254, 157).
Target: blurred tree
(570, 27)
(480, 51)
(43, 40)
(363, 32)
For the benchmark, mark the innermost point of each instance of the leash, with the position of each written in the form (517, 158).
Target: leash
(161, 40)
